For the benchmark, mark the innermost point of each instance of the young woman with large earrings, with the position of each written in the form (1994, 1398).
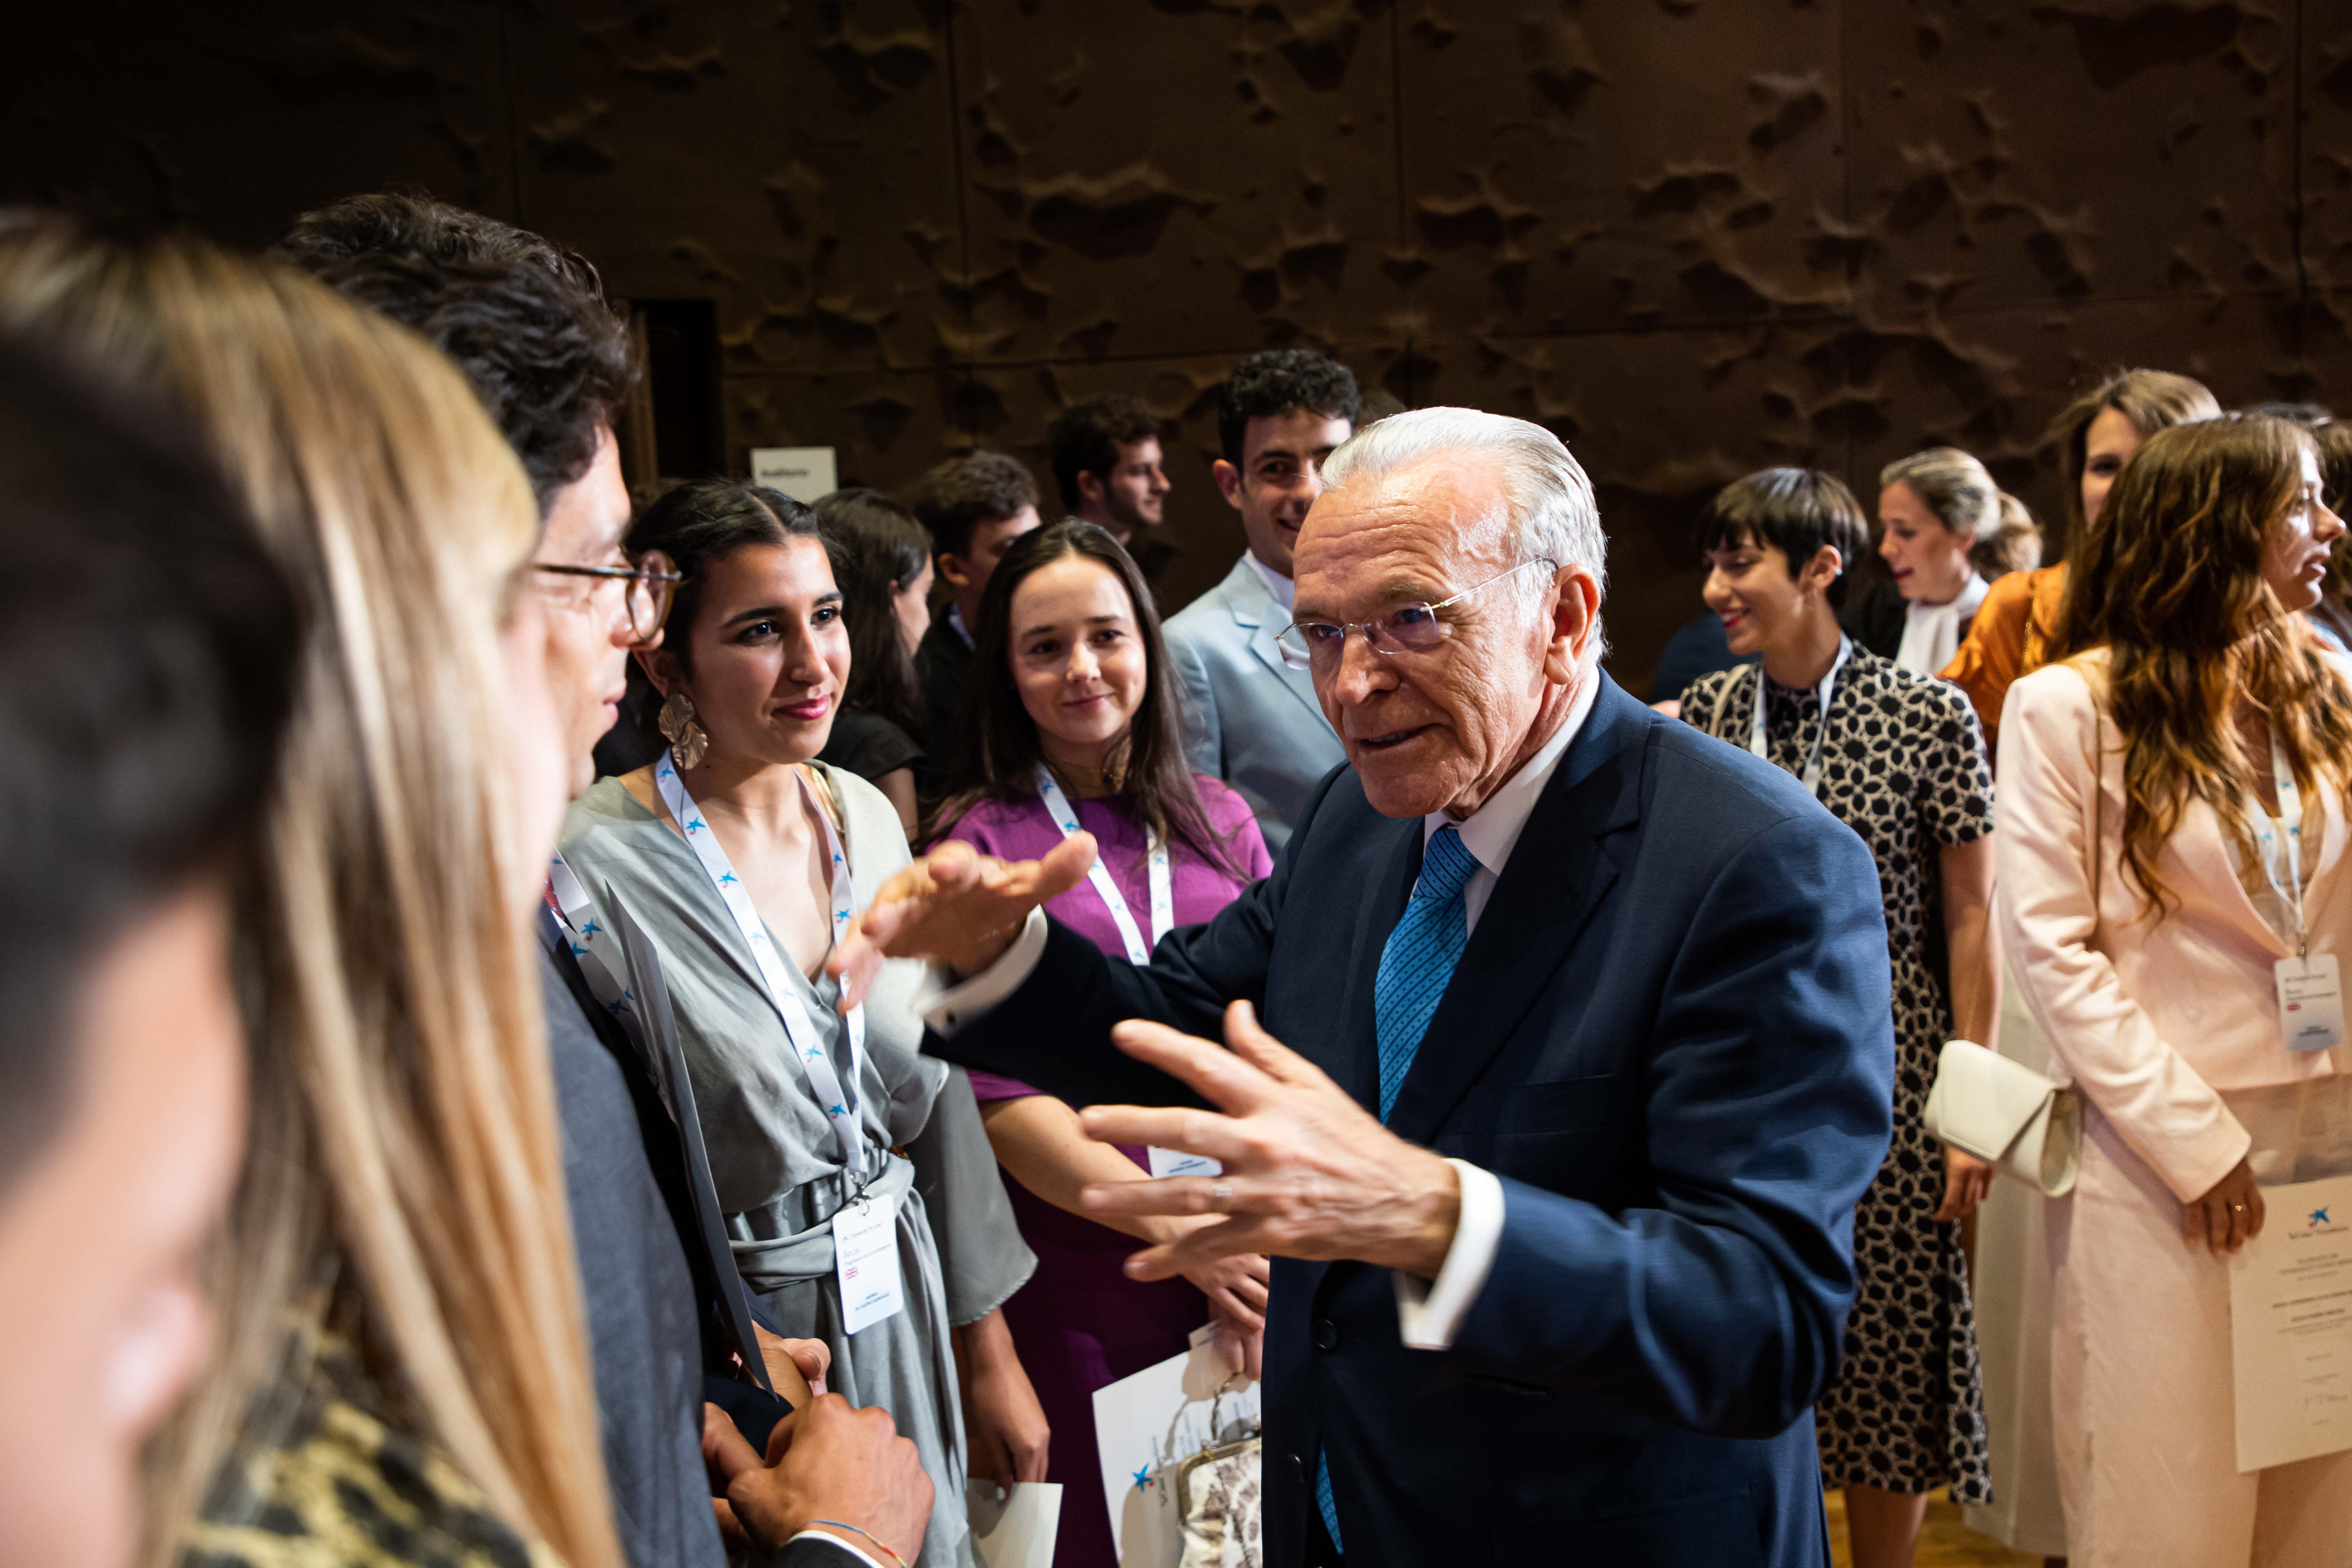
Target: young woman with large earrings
(859, 1190)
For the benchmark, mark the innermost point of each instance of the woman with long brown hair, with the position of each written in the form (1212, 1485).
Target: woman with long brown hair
(2095, 436)
(2172, 827)
(1073, 721)
(404, 1377)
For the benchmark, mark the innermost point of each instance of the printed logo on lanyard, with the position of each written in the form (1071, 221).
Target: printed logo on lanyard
(600, 965)
(1164, 1162)
(2310, 997)
(839, 1106)
(1824, 695)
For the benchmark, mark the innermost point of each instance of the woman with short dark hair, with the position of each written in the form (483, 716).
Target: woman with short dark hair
(1897, 757)
(1072, 724)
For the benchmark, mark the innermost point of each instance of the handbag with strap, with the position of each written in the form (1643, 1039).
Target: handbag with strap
(2007, 1114)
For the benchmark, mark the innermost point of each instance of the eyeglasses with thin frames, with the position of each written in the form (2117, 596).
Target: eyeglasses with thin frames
(1414, 627)
(652, 581)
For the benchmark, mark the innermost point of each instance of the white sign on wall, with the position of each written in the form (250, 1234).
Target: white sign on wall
(803, 473)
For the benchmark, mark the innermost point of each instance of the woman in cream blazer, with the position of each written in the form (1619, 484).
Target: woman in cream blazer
(2162, 1010)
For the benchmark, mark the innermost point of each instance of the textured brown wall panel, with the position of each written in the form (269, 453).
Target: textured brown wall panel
(1175, 178)
(1693, 237)
(1579, 166)
(2061, 150)
(236, 118)
(792, 162)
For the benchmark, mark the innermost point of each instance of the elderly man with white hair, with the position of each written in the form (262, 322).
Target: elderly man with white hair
(1584, 1060)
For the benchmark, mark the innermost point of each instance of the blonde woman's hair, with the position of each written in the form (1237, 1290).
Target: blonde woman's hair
(403, 1149)
(1961, 493)
(2014, 543)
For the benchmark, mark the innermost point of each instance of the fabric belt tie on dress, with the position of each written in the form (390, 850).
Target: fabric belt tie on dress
(772, 1264)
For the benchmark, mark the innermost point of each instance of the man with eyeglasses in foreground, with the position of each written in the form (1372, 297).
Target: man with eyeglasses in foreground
(529, 326)
(1589, 1055)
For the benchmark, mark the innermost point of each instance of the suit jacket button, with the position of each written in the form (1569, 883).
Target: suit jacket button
(1327, 1334)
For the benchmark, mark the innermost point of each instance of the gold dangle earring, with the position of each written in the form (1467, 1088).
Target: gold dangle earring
(687, 738)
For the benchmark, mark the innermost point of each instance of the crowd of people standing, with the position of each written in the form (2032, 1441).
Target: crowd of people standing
(466, 992)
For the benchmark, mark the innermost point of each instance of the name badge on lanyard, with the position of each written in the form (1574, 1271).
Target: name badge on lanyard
(1811, 777)
(2310, 997)
(855, 1231)
(1164, 1162)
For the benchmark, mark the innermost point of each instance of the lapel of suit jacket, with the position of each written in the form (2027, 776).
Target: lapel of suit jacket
(1256, 611)
(1556, 878)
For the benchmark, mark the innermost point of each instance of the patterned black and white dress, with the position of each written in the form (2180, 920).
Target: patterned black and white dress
(1904, 766)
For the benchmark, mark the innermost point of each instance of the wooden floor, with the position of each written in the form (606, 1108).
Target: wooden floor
(1947, 1542)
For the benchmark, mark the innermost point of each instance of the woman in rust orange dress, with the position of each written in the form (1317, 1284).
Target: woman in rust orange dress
(2097, 435)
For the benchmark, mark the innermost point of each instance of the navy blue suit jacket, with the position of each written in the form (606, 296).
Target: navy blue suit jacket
(1669, 1037)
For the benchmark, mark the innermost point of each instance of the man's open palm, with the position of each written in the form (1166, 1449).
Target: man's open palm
(956, 906)
(1309, 1172)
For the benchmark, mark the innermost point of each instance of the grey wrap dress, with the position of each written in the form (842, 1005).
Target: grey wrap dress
(773, 1157)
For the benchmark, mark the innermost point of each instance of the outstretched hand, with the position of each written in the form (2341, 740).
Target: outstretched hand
(954, 905)
(1307, 1171)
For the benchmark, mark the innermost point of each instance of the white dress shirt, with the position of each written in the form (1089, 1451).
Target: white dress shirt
(1285, 591)
(1429, 1311)
(838, 1544)
(1931, 632)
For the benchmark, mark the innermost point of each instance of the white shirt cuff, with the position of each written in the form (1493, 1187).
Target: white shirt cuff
(1429, 1313)
(830, 1539)
(974, 998)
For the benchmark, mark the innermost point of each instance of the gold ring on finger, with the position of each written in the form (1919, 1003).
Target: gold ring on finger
(1222, 1195)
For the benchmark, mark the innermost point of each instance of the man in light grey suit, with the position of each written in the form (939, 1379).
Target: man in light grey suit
(1254, 720)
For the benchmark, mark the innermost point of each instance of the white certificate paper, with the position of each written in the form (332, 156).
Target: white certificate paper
(2291, 1326)
(1015, 1532)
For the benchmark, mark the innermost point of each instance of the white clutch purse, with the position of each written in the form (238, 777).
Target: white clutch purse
(2024, 1124)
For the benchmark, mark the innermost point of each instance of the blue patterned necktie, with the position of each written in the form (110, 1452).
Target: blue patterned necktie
(1415, 968)
(1418, 960)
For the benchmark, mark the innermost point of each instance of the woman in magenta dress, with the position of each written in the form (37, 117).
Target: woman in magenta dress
(1071, 722)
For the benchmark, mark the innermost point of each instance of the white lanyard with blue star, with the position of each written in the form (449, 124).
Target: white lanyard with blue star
(600, 965)
(2311, 1000)
(603, 961)
(807, 1038)
(1755, 741)
(1163, 902)
(1161, 880)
